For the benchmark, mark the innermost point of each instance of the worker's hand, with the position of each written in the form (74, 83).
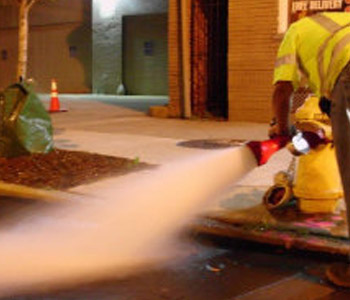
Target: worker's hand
(277, 130)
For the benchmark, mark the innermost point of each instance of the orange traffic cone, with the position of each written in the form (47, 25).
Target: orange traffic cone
(55, 102)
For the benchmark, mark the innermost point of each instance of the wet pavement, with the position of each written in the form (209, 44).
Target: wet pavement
(215, 269)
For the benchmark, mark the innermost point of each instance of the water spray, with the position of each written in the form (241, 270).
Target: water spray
(132, 220)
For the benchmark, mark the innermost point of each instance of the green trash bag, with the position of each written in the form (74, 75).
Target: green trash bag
(25, 126)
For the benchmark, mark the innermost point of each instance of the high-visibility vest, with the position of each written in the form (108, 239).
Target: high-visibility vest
(318, 47)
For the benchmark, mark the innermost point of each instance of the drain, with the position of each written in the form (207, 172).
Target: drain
(212, 143)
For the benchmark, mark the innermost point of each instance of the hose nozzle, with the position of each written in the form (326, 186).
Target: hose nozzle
(263, 150)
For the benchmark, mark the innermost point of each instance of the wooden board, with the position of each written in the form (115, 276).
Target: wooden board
(285, 227)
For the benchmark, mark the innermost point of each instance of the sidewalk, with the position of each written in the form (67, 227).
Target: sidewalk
(120, 126)
(110, 127)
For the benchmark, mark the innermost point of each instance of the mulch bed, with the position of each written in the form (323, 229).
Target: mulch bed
(62, 169)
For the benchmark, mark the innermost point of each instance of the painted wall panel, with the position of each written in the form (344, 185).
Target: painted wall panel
(60, 45)
(107, 38)
(8, 43)
(145, 61)
(63, 53)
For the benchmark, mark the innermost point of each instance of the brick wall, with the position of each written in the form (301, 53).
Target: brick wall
(175, 59)
(253, 45)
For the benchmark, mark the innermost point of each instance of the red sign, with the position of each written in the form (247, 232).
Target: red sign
(302, 8)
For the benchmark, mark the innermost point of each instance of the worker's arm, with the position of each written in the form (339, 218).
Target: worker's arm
(280, 106)
(285, 79)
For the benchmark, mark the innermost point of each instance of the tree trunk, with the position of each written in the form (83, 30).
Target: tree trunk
(22, 41)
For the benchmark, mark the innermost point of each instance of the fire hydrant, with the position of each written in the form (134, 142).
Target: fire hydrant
(316, 184)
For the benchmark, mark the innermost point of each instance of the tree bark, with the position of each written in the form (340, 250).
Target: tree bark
(22, 41)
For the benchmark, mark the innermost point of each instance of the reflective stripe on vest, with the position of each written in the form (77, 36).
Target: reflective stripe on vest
(325, 22)
(333, 28)
(288, 59)
(339, 48)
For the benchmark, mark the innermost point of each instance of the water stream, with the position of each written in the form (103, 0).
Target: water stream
(133, 221)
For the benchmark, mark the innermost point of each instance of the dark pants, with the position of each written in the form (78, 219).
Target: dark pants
(340, 116)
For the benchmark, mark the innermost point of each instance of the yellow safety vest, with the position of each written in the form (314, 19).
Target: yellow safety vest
(317, 46)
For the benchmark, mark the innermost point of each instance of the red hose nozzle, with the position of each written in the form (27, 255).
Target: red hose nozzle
(263, 150)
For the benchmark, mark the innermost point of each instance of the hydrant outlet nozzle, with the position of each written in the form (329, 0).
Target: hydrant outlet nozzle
(263, 150)
(303, 142)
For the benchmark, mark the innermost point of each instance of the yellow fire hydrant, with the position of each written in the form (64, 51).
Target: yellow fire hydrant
(317, 185)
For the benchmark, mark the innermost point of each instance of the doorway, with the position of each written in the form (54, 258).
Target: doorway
(209, 45)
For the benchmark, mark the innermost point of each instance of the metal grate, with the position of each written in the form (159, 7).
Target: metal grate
(211, 144)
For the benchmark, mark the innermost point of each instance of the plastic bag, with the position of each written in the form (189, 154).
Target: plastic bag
(25, 125)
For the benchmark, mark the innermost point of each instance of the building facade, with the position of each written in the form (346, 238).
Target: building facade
(130, 47)
(214, 58)
(90, 46)
(60, 45)
(229, 77)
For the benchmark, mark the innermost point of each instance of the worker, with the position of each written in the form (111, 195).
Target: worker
(317, 48)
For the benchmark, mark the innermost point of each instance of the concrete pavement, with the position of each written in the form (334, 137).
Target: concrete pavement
(120, 126)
